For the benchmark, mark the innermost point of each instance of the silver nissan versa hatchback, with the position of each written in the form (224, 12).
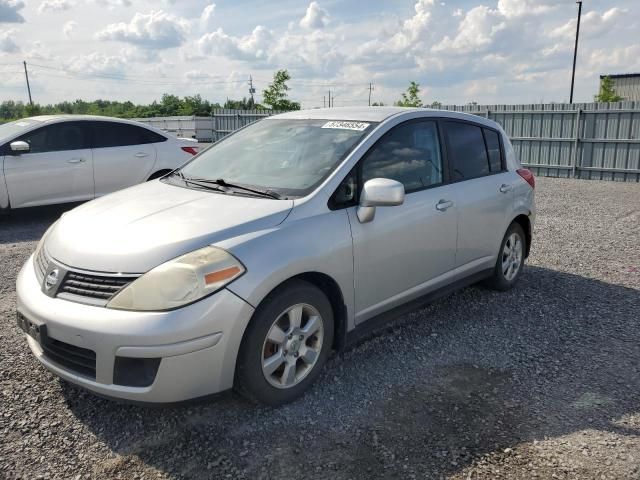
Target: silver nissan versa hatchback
(246, 267)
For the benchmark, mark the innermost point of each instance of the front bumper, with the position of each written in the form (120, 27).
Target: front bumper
(197, 344)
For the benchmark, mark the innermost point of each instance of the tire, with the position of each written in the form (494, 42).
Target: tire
(511, 256)
(278, 369)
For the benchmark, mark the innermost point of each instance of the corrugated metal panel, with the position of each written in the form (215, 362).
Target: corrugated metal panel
(586, 140)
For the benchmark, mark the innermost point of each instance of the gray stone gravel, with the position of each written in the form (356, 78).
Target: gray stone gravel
(539, 382)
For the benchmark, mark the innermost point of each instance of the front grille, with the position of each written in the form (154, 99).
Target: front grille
(41, 262)
(77, 359)
(102, 287)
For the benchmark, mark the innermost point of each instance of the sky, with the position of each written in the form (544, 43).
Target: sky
(459, 51)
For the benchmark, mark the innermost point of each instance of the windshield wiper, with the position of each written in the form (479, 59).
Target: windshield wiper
(223, 183)
(200, 182)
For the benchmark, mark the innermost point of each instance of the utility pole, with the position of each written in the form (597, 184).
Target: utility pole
(329, 98)
(575, 51)
(370, 88)
(251, 90)
(26, 75)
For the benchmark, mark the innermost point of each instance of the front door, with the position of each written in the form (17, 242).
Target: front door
(58, 168)
(407, 249)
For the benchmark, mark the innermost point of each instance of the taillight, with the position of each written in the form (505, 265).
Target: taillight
(528, 176)
(191, 150)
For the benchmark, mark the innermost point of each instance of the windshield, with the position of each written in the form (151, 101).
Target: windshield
(11, 129)
(290, 157)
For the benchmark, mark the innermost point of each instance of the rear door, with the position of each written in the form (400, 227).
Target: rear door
(123, 155)
(57, 169)
(483, 189)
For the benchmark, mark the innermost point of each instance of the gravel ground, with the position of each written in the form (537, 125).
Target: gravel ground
(539, 382)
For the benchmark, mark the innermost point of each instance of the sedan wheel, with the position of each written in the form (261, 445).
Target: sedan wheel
(292, 346)
(512, 256)
(286, 344)
(510, 261)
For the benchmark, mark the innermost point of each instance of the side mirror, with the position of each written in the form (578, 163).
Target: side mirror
(20, 147)
(379, 192)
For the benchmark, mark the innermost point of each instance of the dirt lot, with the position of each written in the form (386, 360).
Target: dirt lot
(540, 382)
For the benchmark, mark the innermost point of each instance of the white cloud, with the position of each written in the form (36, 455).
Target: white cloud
(520, 8)
(54, 6)
(10, 11)
(248, 47)
(156, 29)
(207, 15)
(592, 24)
(68, 28)
(315, 17)
(7, 42)
(476, 31)
(111, 4)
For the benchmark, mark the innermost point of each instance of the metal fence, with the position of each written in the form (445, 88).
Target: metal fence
(582, 140)
(208, 129)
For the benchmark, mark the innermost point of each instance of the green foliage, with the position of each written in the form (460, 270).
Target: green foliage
(410, 98)
(435, 104)
(275, 95)
(377, 104)
(607, 92)
(169, 105)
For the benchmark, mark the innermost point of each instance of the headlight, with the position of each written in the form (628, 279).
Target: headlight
(38, 251)
(180, 281)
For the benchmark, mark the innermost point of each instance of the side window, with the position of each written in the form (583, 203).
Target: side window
(493, 148)
(113, 134)
(409, 153)
(345, 194)
(467, 151)
(147, 136)
(57, 137)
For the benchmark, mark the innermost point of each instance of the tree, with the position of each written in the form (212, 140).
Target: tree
(435, 104)
(607, 92)
(275, 95)
(410, 98)
(377, 104)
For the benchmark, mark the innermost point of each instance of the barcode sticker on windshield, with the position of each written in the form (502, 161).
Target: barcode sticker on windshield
(359, 126)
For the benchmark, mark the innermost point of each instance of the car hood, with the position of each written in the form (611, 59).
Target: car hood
(134, 230)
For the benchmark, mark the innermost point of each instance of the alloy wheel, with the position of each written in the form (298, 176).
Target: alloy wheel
(511, 256)
(292, 346)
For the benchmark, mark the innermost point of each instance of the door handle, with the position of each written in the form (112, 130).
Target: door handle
(442, 205)
(75, 160)
(504, 188)
(141, 154)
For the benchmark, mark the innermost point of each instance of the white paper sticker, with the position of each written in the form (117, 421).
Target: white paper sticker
(359, 126)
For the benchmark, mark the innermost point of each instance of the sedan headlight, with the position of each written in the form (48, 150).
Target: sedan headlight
(180, 281)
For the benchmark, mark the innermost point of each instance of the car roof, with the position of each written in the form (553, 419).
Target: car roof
(69, 117)
(376, 114)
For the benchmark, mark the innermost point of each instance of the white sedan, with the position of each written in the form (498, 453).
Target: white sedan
(72, 158)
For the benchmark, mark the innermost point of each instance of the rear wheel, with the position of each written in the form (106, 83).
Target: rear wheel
(286, 344)
(510, 260)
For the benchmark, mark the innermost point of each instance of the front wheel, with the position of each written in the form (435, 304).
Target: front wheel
(510, 260)
(286, 344)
